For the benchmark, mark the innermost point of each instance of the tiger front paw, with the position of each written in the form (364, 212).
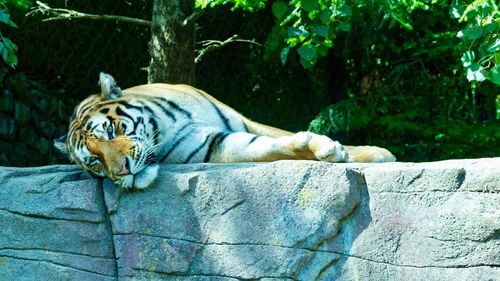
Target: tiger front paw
(323, 148)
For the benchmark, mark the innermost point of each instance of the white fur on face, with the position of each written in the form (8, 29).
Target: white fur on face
(141, 180)
(146, 177)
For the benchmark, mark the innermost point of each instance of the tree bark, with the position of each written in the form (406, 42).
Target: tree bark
(172, 47)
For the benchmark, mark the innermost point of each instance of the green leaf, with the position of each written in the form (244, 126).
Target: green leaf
(309, 5)
(456, 10)
(345, 11)
(308, 52)
(4, 17)
(440, 136)
(325, 16)
(490, 27)
(494, 74)
(274, 42)
(475, 72)
(12, 60)
(3, 51)
(284, 55)
(322, 30)
(472, 33)
(403, 20)
(8, 50)
(495, 46)
(344, 26)
(292, 42)
(297, 32)
(468, 58)
(485, 9)
(9, 44)
(322, 50)
(12, 24)
(471, 14)
(279, 9)
(24, 4)
(306, 64)
(328, 43)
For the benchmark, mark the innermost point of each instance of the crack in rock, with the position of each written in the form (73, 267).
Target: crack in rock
(44, 217)
(58, 264)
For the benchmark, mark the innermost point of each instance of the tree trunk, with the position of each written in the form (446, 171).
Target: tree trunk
(172, 45)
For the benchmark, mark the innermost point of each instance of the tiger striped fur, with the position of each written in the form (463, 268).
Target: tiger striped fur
(124, 135)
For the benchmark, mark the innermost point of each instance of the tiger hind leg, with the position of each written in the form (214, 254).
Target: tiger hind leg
(369, 154)
(364, 154)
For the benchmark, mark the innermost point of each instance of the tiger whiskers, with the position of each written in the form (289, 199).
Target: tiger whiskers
(145, 150)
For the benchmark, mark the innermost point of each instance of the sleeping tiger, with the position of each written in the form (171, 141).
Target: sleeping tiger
(124, 135)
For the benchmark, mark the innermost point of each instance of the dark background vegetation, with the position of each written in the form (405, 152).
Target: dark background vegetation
(380, 84)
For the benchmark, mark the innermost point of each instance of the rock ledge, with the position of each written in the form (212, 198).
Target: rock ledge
(287, 220)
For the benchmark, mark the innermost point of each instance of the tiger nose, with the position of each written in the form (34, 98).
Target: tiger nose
(125, 170)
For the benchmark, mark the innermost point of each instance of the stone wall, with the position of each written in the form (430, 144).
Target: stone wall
(287, 220)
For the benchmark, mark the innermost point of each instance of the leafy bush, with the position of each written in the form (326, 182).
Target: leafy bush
(407, 92)
(480, 39)
(404, 87)
(7, 48)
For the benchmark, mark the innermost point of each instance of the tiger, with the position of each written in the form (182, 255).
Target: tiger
(125, 134)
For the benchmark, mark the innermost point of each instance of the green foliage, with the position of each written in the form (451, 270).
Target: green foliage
(308, 26)
(7, 48)
(22, 4)
(480, 38)
(34, 107)
(311, 26)
(405, 94)
(248, 5)
(413, 128)
(404, 61)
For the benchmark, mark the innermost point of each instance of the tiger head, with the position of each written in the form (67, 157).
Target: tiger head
(107, 141)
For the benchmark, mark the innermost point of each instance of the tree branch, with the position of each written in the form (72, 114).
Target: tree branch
(213, 45)
(192, 18)
(65, 14)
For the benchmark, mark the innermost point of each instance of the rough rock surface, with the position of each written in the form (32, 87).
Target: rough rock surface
(287, 220)
(53, 226)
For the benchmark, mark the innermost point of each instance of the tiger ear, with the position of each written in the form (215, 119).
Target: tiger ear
(61, 145)
(109, 89)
